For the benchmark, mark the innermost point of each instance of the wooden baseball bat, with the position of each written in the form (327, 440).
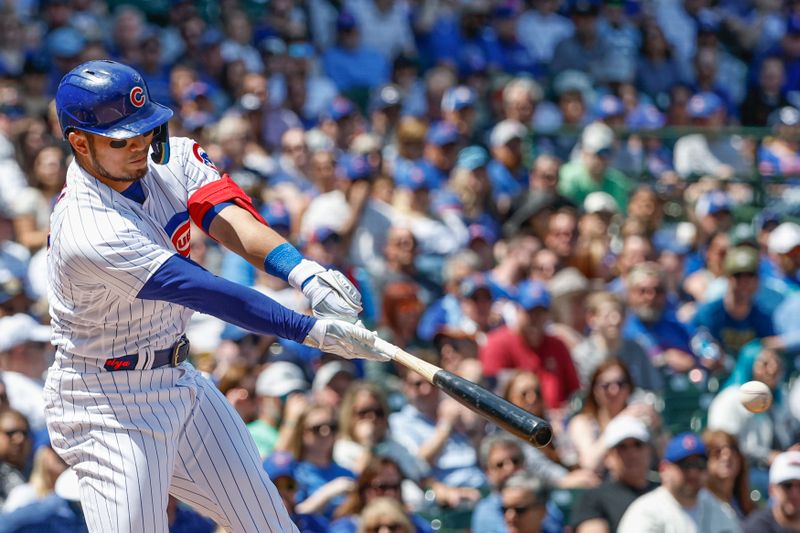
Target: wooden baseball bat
(504, 414)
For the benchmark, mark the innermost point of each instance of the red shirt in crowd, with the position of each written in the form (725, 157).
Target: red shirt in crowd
(550, 362)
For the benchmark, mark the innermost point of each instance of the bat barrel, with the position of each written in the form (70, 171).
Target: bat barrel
(508, 416)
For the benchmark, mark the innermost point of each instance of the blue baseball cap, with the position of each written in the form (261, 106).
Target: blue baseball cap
(339, 108)
(413, 176)
(472, 157)
(456, 98)
(645, 117)
(684, 445)
(482, 231)
(472, 284)
(609, 106)
(703, 105)
(355, 167)
(280, 464)
(442, 133)
(345, 21)
(711, 203)
(533, 294)
(276, 214)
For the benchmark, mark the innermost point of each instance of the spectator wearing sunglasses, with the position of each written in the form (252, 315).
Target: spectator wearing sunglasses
(783, 515)
(322, 484)
(15, 450)
(364, 432)
(628, 458)
(381, 479)
(608, 396)
(524, 504)
(680, 504)
(501, 457)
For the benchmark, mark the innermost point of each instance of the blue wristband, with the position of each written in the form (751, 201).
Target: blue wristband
(281, 260)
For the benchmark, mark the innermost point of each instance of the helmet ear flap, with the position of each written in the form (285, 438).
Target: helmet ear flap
(160, 145)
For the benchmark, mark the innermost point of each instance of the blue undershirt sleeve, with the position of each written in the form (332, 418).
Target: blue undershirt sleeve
(182, 281)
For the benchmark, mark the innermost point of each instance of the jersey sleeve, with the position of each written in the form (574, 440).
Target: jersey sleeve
(198, 167)
(111, 252)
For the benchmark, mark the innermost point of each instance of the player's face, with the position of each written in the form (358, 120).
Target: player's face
(113, 160)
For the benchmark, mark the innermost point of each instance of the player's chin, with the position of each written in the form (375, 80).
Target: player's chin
(139, 170)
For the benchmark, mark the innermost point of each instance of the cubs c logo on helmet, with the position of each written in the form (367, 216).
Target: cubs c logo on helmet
(137, 96)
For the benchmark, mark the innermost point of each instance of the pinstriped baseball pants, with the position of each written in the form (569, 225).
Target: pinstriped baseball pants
(134, 437)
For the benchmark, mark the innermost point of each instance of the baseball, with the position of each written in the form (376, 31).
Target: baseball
(755, 396)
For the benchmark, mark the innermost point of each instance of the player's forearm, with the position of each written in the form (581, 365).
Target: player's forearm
(241, 233)
(184, 282)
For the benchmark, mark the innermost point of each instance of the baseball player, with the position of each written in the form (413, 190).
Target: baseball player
(123, 407)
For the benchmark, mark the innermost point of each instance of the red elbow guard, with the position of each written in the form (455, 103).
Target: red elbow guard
(217, 192)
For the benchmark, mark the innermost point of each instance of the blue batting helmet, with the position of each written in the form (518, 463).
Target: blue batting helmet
(111, 99)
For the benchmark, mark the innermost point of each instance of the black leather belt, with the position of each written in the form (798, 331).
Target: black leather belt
(172, 356)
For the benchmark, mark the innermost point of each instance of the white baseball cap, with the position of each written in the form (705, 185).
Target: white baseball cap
(785, 467)
(19, 329)
(279, 379)
(600, 202)
(329, 370)
(67, 485)
(624, 427)
(506, 131)
(784, 238)
(597, 137)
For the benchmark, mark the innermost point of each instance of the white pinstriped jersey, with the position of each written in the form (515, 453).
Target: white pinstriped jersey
(103, 249)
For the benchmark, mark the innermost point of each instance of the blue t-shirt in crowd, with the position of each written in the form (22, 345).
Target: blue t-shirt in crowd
(359, 67)
(50, 515)
(311, 477)
(310, 523)
(656, 337)
(504, 183)
(730, 332)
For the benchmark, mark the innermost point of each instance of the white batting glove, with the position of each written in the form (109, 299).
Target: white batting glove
(331, 294)
(344, 339)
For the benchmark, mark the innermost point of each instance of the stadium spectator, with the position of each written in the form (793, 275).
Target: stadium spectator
(381, 478)
(782, 515)
(527, 345)
(591, 171)
(628, 456)
(523, 502)
(728, 476)
(681, 503)
(605, 315)
(430, 427)
(737, 318)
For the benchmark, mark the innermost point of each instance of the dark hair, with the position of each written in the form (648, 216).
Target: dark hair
(357, 499)
(590, 404)
(741, 486)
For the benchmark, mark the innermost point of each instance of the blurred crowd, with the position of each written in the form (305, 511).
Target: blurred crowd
(586, 206)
